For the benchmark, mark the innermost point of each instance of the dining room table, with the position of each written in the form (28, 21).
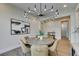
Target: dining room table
(37, 41)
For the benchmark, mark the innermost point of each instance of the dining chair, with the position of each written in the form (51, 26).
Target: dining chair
(25, 39)
(39, 50)
(26, 50)
(53, 49)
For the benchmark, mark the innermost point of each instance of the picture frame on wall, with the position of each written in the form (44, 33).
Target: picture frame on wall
(19, 27)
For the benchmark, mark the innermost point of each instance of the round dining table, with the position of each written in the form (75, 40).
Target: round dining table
(36, 41)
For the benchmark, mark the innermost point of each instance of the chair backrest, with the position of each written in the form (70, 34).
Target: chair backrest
(39, 50)
(24, 39)
(53, 47)
(24, 48)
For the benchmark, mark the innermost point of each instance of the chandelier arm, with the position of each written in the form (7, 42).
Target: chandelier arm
(40, 8)
(33, 11)
(49, 12)
(46, 11)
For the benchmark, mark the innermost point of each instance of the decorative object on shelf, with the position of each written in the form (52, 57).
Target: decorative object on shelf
(41, 11)
(19, 27)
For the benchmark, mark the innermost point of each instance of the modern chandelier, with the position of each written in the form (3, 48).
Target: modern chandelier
(41, 11)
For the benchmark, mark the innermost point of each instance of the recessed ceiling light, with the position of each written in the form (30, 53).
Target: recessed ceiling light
(65, 5)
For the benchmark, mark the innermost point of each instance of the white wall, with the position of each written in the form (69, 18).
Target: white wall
(8, 41)
(77, 24)
(53, 27)
(73, 26)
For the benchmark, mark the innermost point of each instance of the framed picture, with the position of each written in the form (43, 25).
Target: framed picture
(19, 27)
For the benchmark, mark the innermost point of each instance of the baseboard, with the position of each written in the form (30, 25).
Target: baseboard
(8, 49)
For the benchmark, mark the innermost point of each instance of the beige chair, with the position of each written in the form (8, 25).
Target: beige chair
(39, 50)
(25, 39)
(25, 49)
(52, 49)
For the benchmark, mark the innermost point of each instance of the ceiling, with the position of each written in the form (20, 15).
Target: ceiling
(60, 6)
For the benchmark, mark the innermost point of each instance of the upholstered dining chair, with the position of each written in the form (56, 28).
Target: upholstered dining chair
(25, 39)
(39, 50)
(53, 49)
(25, 49)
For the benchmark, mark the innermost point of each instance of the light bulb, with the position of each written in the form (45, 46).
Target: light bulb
(65, 5)
(56, 13)
(45, 9)
(29, 11)
(25, 14)
(51, 9)
(35, 9)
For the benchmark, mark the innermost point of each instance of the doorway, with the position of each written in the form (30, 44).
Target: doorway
(65, 27)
